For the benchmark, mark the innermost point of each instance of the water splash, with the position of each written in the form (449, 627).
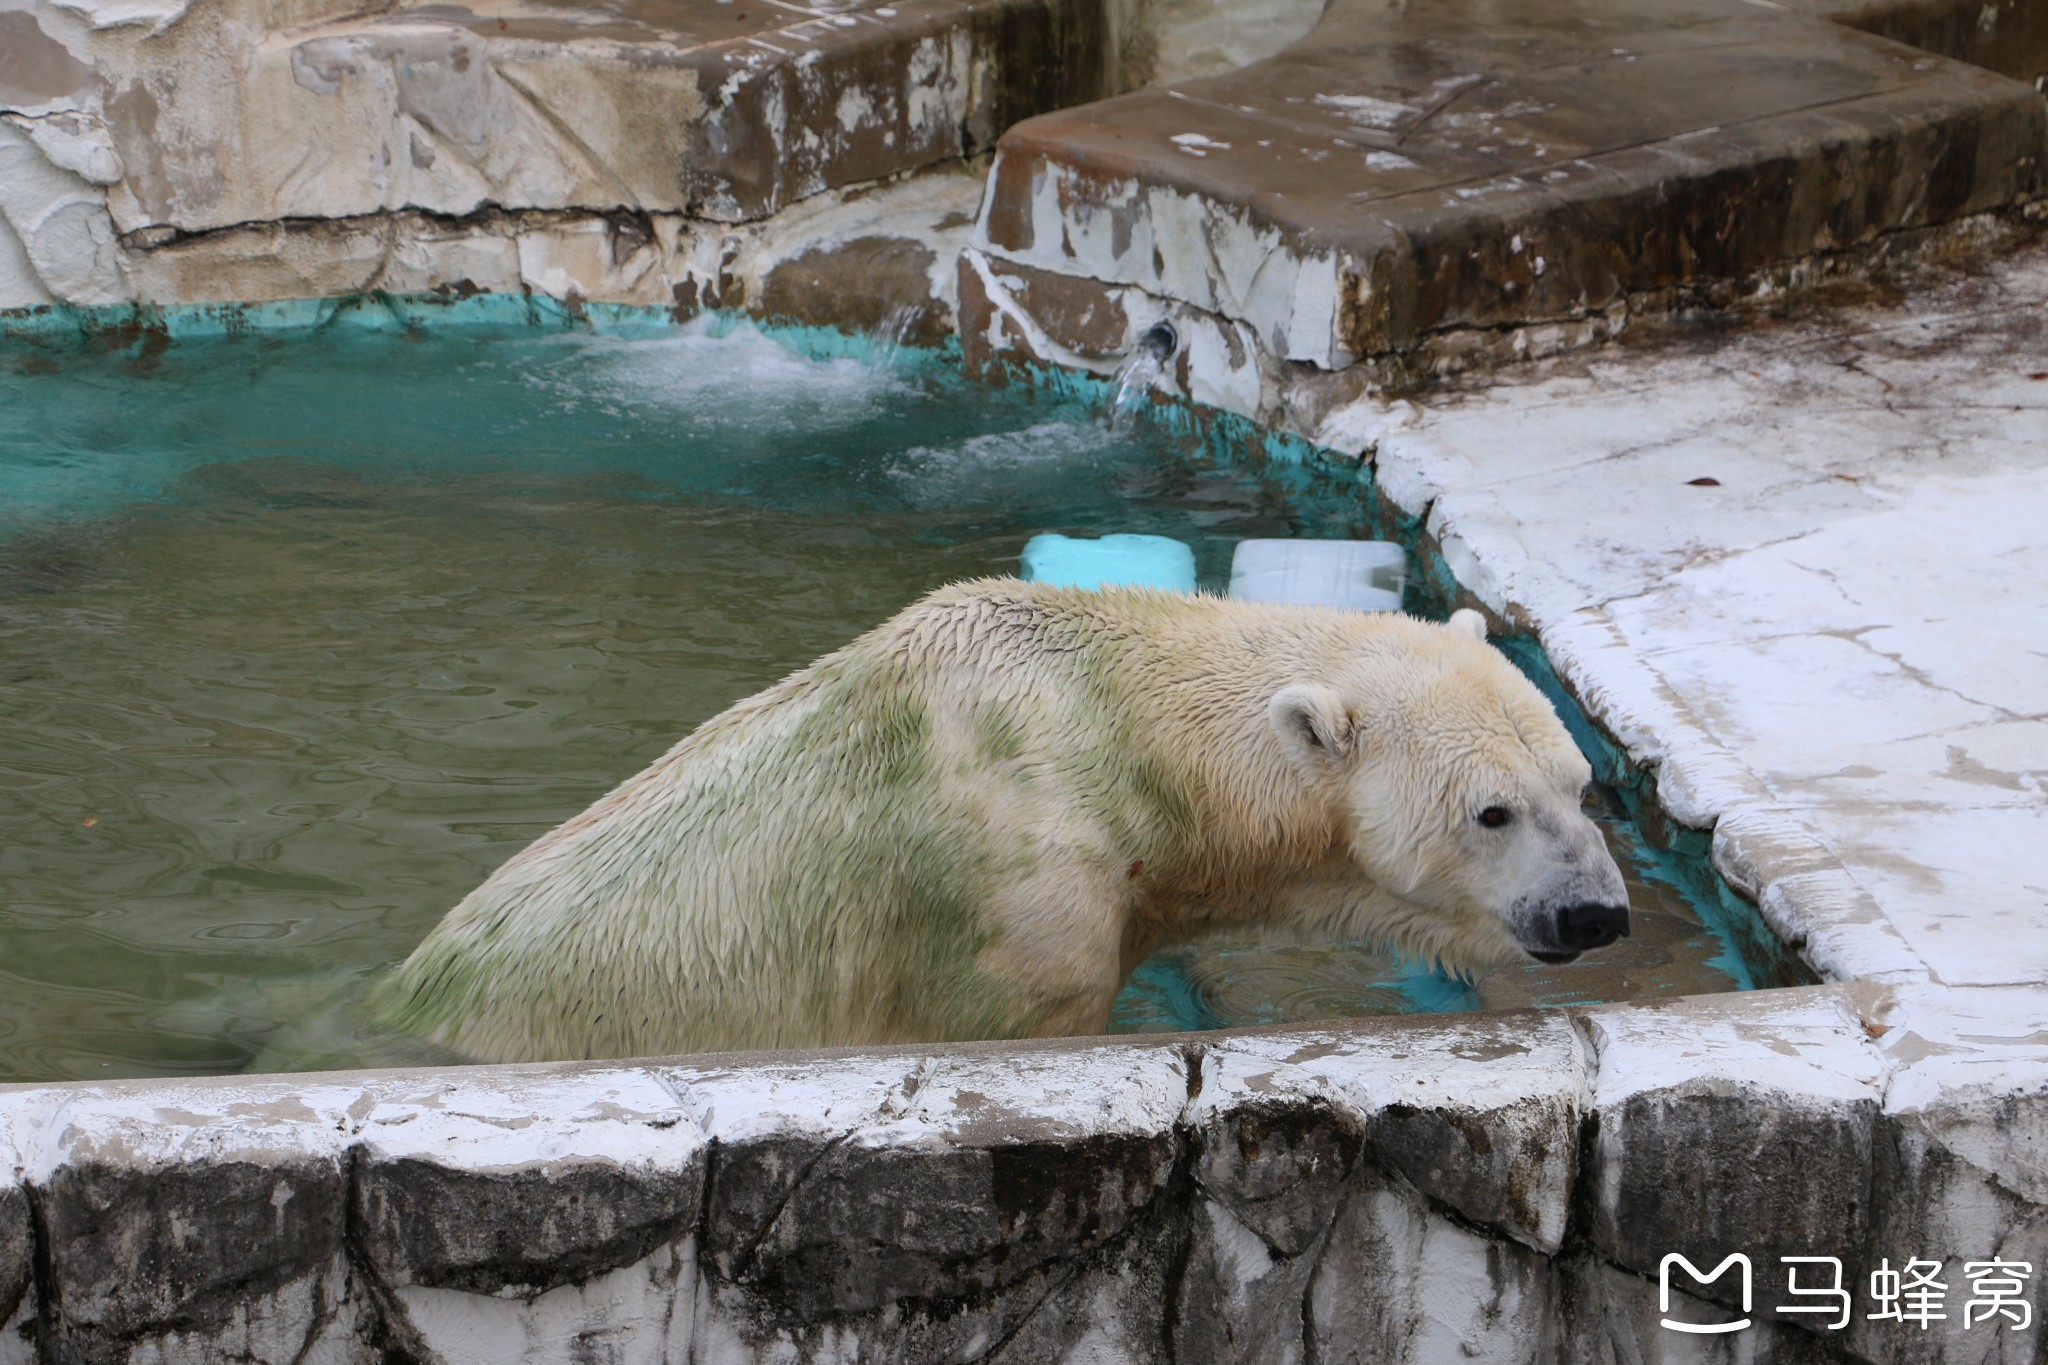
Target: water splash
(892, 333)
(1002, 468)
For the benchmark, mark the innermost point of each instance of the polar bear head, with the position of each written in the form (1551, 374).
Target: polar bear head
(1458, 791)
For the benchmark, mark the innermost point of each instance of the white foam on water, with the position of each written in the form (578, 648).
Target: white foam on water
(708, 376)
(995, 466)
(705, 388)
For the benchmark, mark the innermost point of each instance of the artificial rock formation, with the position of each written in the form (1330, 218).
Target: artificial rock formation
(1500, 1187)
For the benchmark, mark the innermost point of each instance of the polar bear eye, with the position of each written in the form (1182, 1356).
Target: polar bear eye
(1493, 817)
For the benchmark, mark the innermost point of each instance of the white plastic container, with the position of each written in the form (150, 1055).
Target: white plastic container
(1364, 575)
(1115, 561)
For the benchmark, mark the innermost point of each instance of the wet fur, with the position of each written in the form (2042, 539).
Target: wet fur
(974, 820)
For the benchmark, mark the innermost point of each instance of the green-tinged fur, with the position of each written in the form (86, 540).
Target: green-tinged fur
(856, 884)
(1000, 733)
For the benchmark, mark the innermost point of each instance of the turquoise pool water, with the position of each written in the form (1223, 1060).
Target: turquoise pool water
(302, 634)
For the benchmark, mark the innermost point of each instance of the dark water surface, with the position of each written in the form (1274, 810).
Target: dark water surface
(301, 636)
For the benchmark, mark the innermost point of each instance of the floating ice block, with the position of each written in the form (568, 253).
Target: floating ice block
(1119, 561)
(1364, 575)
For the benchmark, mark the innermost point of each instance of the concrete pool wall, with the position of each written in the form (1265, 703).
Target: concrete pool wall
(1502, 1187)
(1707, 539)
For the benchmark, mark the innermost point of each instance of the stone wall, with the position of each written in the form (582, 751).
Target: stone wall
(159, 152)
(198, 151)
(1500, 1188)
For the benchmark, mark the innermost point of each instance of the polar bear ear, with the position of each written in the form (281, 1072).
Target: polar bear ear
(1312, 724)
(1470, 622)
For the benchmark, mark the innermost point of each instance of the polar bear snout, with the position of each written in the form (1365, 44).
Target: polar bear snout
(1584, 927)
(1582, 905)
(1561, 935)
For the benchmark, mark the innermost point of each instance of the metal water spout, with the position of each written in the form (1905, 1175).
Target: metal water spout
(1159, 341)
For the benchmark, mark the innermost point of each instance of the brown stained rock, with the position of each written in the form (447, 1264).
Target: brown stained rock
(726, 111)
(139, 1251)
(2006, 36)
(1404, 173)
(309, 259)
(989, 343)
(1049, 55)
(824, 1227)
(1081, 315)
(873, 96)
(524, 1231)
(1494, 1166)
(34, 67)
(864, 285)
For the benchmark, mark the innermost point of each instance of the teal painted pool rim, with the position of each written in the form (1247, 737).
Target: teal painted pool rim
(1752, 956)
(143, 324)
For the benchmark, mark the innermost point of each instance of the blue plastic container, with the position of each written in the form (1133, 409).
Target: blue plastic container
(1115, 561)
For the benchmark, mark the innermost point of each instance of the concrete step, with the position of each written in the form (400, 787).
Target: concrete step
(1409, 186)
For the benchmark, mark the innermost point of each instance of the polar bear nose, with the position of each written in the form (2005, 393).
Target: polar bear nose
(1584, 926)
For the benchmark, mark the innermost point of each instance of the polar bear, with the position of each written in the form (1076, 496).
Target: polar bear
(976, 819)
